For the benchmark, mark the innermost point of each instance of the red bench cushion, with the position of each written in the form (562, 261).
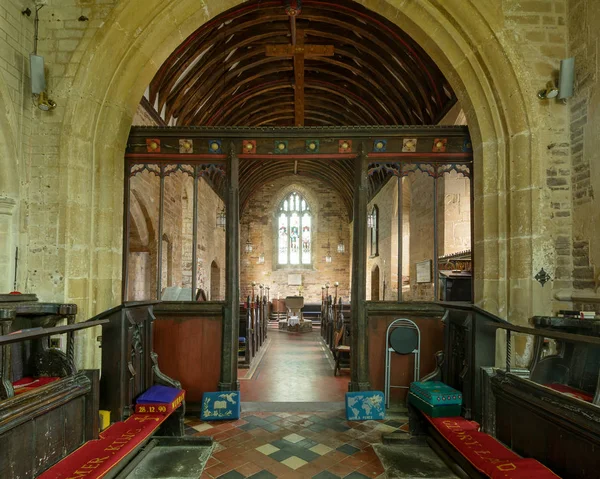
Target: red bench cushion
(95, 458)
(27, 384)
(569, 391)
(485, 453)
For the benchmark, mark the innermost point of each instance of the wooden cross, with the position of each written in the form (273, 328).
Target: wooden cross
(299, 51)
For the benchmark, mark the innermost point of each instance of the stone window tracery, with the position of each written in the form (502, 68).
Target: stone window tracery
(294, 231)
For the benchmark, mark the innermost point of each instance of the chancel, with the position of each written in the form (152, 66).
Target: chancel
(231, 214)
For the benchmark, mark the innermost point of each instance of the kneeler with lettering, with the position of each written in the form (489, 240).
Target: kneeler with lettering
(96, 458)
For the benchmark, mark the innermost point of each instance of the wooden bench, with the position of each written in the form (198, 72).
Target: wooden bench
(130, 365)
(116, 446)
(478, 454)
(55, 426)
(42, 425)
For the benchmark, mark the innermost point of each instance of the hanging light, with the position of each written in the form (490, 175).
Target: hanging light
(328, 257)
(221, 218)
(249, 245)
(341, 247)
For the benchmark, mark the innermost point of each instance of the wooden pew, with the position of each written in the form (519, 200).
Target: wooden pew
(41, 425)
(129, 363)
(55, 426)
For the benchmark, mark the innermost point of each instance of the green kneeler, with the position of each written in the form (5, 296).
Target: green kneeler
(447, 410)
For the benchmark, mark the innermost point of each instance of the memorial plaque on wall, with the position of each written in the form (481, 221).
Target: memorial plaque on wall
(424, 271)
(294, 279)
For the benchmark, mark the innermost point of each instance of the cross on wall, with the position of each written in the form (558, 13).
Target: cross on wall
(299, 51)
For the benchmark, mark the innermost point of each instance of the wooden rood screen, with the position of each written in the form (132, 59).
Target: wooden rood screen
(263, 155)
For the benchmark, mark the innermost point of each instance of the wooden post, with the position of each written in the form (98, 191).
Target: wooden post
(231, 311)
(359, 357)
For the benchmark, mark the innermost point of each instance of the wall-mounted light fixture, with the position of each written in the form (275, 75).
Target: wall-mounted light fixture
(36, 69)
(566, 79)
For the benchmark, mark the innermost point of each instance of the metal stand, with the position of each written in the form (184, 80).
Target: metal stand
(402, 337)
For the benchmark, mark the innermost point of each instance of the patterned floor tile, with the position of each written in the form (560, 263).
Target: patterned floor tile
(267, 449)
(317, 428)
(321, 449)
(307, 443)
(202, 427)
(341, 470)
(294, 462)
(356, 475)
(272, 418)
(348, 449)
(326, 475)
(270, 427)
(248, 469)
(232, 475)
(305, 454)
(263, 475)
(294, 438)
(281, 455)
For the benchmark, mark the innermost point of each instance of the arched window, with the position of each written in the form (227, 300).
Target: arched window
(294, 231)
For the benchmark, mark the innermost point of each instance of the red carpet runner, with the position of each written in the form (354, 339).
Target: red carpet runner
(485, 453)
(95, 458)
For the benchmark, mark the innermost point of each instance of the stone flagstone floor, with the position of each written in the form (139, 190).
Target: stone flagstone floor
(319, 445)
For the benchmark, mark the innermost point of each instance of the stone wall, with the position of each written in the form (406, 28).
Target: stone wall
(177, 236)
(328, 213)
(497, 55)
(386, 201)
(584, 38)
(453, 223)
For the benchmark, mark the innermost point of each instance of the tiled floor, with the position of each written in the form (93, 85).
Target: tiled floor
(319, 445)
(295, 368)
(292, 444)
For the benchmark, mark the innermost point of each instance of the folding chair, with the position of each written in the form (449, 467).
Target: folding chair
(402, 337)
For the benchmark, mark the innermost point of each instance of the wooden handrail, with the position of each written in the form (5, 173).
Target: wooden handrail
(42, 332)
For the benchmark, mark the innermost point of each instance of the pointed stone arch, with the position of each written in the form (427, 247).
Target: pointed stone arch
(481, 63)
(9, 187)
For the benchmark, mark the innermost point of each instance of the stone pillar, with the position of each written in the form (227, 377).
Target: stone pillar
(7, 244)
(231, 310)
(359, 357)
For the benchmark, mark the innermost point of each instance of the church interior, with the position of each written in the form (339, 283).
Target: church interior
(299, 239)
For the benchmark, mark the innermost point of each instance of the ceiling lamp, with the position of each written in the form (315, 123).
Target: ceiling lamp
(221, 218)
(328, 257)
(261, 259)
(249, 246)
(341, 246)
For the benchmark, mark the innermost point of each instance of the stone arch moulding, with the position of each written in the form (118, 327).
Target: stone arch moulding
(9, 187)
(471, 50)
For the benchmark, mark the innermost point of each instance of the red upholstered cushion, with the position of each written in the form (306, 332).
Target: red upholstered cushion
(29, 383)
(485, 453)
(569, 391)
(95, 458)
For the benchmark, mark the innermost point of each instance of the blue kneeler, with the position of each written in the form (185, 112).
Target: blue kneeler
(219, 406)
(365, 405)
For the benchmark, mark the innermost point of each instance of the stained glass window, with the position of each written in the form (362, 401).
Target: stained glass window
(294, 231)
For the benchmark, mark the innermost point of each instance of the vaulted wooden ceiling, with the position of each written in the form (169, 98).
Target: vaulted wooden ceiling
(354, 67)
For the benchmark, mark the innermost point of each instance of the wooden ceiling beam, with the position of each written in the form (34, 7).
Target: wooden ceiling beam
(384, 77)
